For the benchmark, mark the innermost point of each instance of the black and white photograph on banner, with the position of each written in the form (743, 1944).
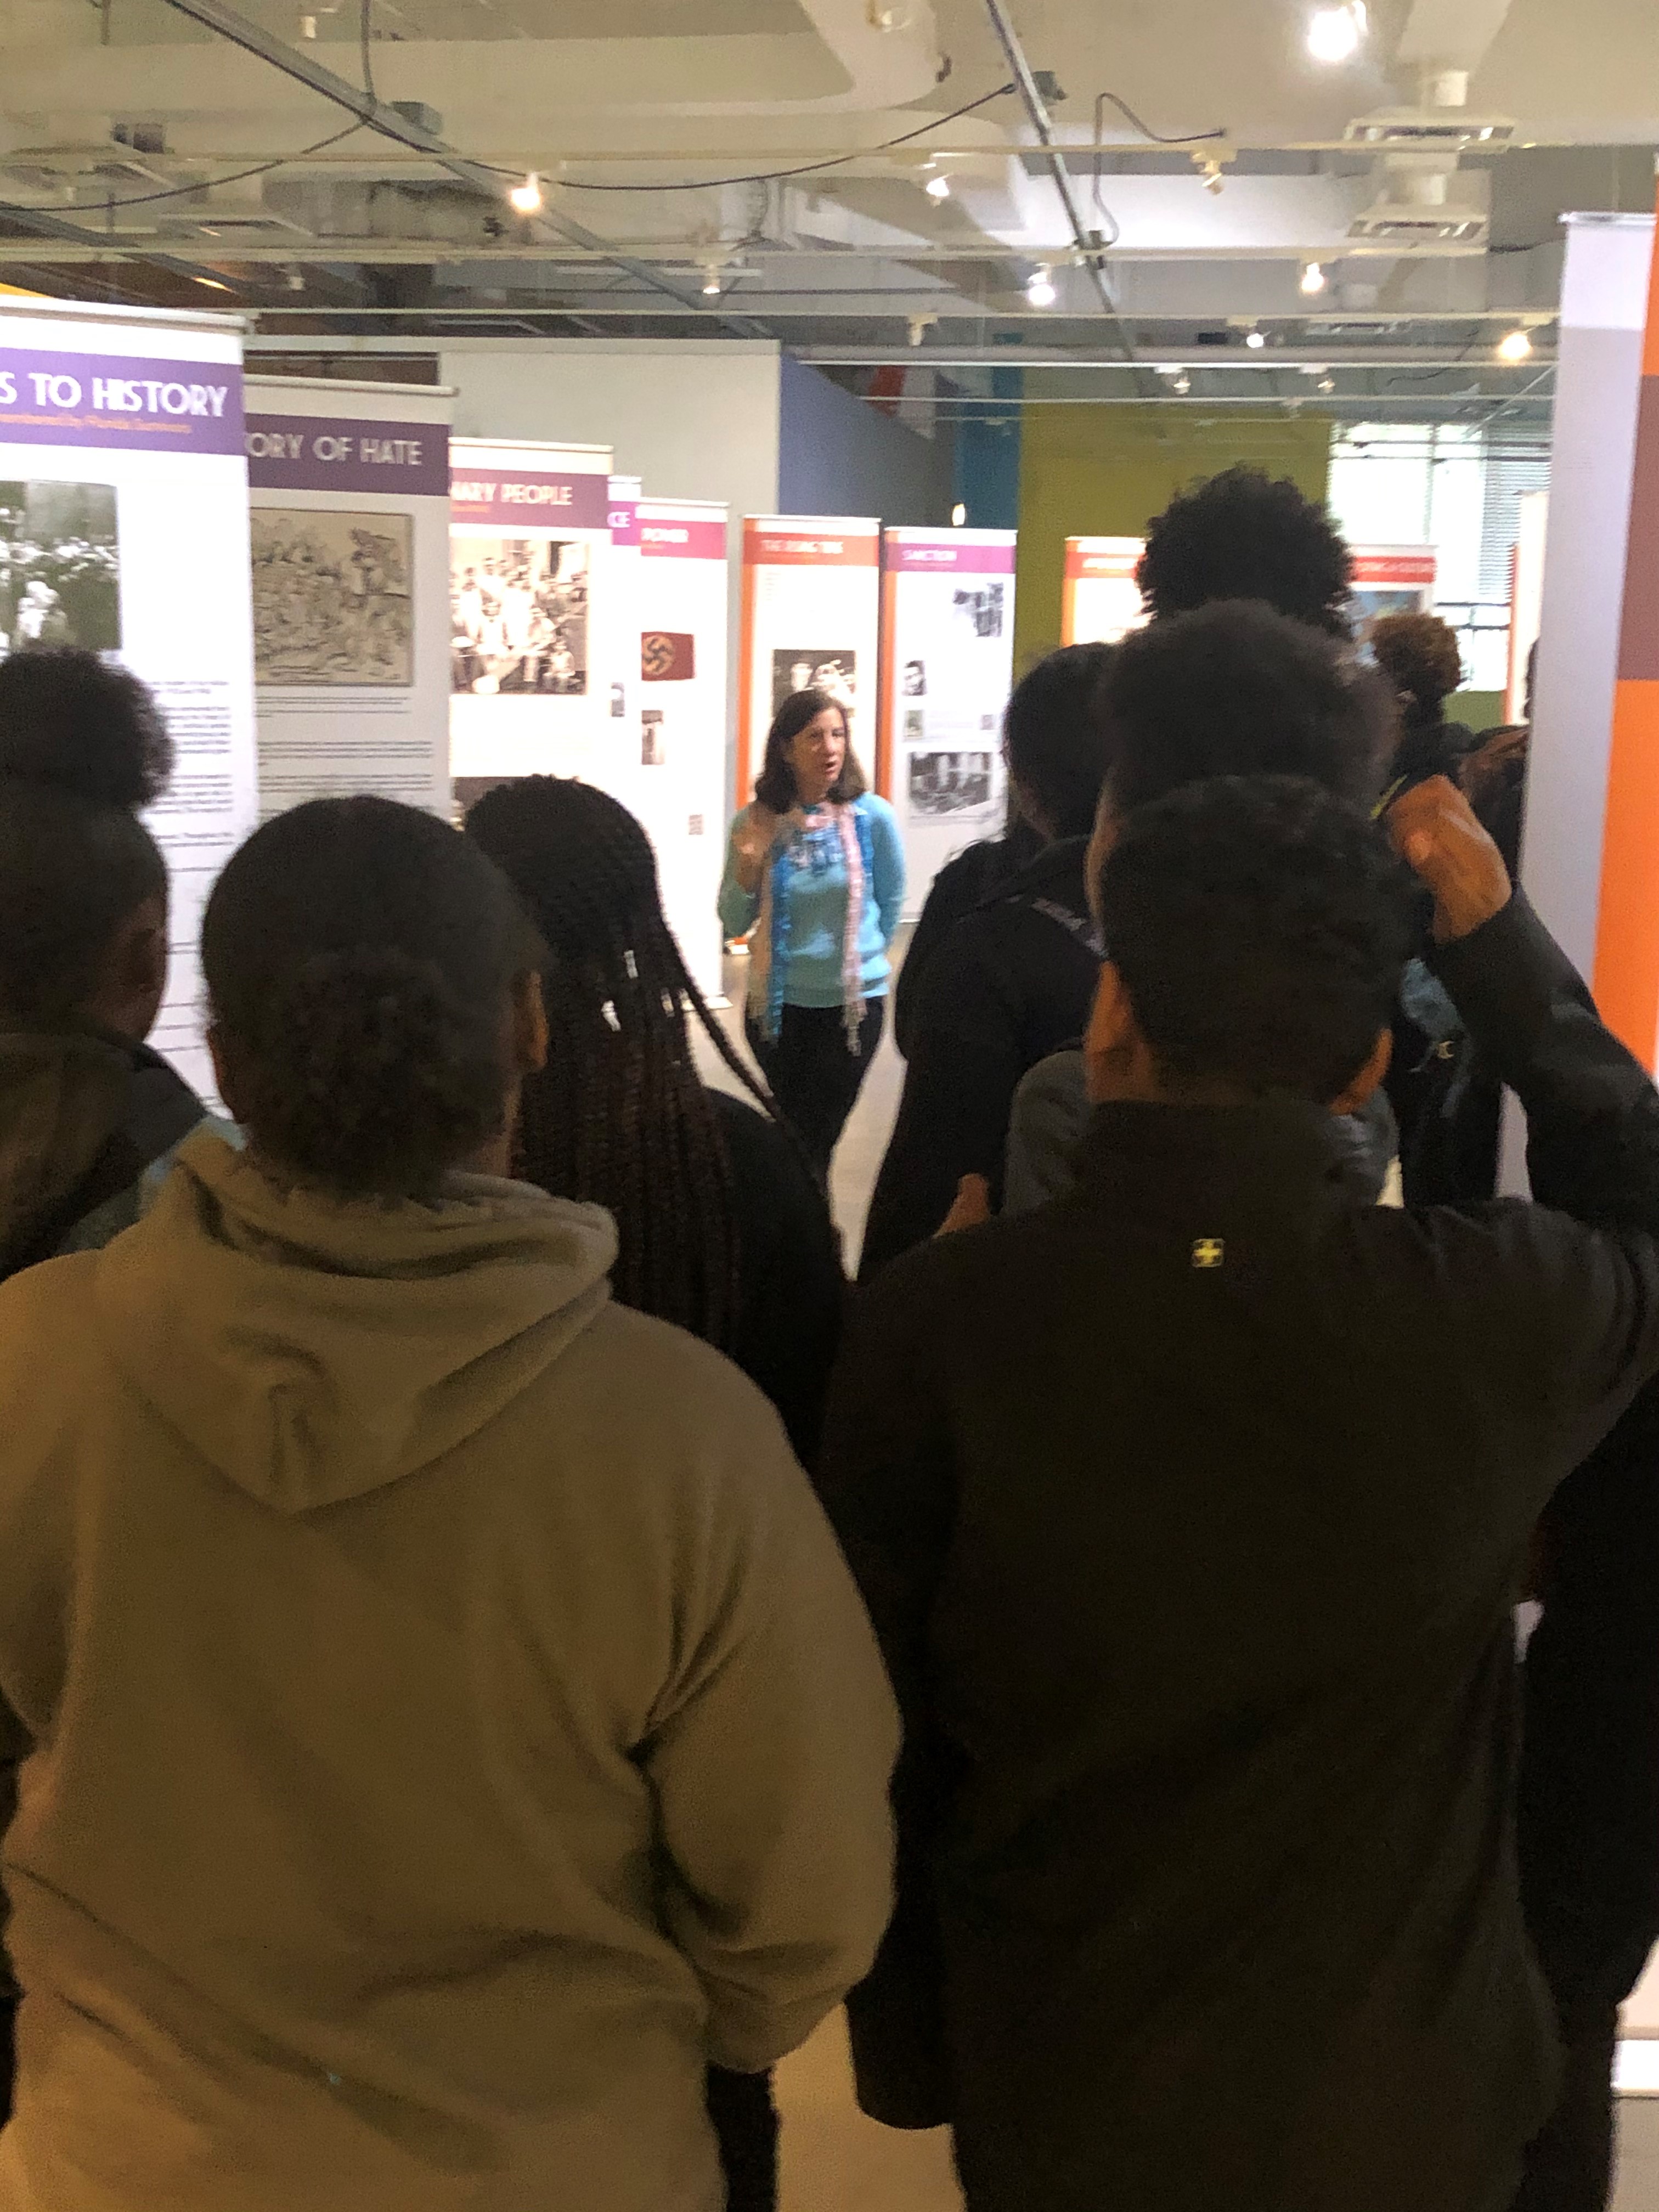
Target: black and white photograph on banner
(949, 783)
(332, 597)
(981, 606)
(654, 738)
(915, 724)
(519, 616)
(914, 685)
(60, 566)
(833, 669)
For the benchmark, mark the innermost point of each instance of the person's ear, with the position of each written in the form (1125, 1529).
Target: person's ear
(530, 1031)
(1364, 1085)
(133, 981)
(1112, 1038)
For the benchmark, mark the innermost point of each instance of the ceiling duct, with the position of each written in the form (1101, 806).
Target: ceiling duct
(1430, 131)
(1424, 199)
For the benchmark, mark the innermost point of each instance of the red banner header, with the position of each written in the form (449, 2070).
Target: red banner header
(683, 541)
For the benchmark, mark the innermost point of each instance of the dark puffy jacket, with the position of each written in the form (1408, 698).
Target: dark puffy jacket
(1011, 984)
(960, 886)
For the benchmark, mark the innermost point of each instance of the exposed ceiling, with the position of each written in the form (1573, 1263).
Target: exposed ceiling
(1425, 178)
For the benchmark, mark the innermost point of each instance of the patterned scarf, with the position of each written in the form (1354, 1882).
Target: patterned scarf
(768, 957)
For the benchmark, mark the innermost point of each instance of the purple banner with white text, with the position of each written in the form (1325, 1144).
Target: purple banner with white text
(331, 452)
(110, 401)
(513, 502)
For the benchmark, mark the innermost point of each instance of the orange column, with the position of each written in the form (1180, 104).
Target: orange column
(1627, 981)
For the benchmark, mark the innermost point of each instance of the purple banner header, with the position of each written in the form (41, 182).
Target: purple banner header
(624, 522)
(509, 502)
(339, 452)
(950, 557)
(108, 400)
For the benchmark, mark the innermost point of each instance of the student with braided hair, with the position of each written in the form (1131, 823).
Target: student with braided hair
(719, 1225)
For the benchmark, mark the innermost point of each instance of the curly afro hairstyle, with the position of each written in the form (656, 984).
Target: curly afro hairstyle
(82, 748)
(1245, 536)
(1236, 690)
(82, 725)
(1259, 925)
(1418, 654)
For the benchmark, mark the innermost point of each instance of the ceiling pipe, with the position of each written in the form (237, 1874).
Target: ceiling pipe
(1089, 245)
(390, 122)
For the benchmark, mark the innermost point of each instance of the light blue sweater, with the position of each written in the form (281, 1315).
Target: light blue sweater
(817, 906)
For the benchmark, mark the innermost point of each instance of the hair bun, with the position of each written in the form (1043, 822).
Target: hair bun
(389, 1068)
(82, 726)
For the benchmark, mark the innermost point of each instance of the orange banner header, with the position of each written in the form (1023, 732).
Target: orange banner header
(769, 544)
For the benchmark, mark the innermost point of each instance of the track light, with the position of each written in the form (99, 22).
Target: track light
(1254, 340)
(1040, 288)
(959, 515)
(938, 188)
(293, 278)
(213, 284)
(1181, 383)
(1328, 384)
(1516, 347)
(1336, 34)
(527, 198)
(1214, 182)
(1314, 279)
(711, 280)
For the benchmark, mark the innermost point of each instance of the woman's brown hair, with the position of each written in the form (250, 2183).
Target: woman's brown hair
(774, 786)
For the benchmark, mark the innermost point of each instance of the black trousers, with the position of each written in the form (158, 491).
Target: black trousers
(746, 2121)
(1568, 2165)
(813, 1074)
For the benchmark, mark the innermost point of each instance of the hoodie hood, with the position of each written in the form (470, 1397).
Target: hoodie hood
(316, 1348)
(61, 1100)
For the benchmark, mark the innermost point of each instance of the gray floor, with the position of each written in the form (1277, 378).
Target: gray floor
(835, 2160)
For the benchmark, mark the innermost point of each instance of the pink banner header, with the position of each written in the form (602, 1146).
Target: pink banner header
(683, 541)
(1392, 568)
(949, 556)
(523, 500)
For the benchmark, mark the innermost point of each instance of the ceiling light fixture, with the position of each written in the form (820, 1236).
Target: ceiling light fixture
(1254, 340)
(294, 277)
(1183, 383)
(527, 198)
(1328, 384)
(1516, 347)
(938, 188)
(1214, 182)
(213, 284)
(1336, 34)
(711, 281)
(1040, 287)
(1314, 279)
(958, 516)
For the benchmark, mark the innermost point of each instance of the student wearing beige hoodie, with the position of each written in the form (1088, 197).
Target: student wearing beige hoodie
(444, 1722)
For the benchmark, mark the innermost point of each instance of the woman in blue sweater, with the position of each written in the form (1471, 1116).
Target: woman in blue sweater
(815, 869)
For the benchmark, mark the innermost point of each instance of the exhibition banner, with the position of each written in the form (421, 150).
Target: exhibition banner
(1391, 580)
(810, 622)
(348, 485)
(947, 667)
(1100, 599)
(529, 544)
(124, 528)
(682, 619)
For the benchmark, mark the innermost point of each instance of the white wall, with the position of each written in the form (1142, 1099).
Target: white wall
(697, 418)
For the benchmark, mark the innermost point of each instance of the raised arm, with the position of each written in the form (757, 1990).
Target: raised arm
(1592, 1110)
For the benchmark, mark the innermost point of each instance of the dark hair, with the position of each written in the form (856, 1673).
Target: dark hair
(1054, 742)
(1243, 536)
(1259, 925)
(360, 957)
(82, 746)
(774, 786)
(1236, 689)
(619, 1116)
(1419, 653)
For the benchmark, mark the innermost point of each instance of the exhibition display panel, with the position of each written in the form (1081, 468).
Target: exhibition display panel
(811, 614)
(1100, 599)
(529, 547)
(1391, 580)
(679, 790)
(947, 667)
(349, 490)
(124, 528)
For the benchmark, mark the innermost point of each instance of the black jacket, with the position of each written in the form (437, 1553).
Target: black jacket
(1190, 1511)
(1010, 985)
(791, 1290)
(961, 885)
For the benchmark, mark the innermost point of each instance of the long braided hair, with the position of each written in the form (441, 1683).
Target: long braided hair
(619, 1116)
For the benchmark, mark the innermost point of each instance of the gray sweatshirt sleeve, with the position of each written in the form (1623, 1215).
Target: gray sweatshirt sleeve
(772, 1766)
(1050, 1115)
